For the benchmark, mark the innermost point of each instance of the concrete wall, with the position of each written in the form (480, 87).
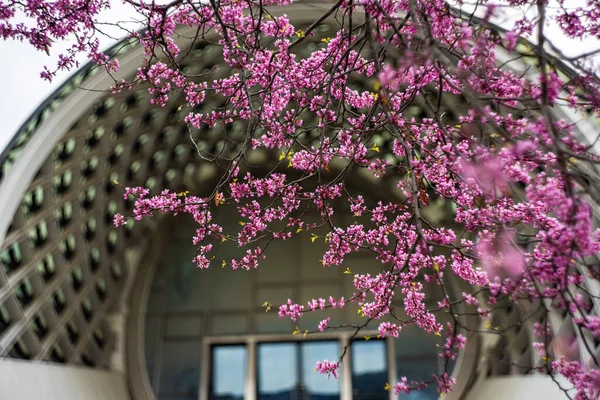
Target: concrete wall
(26, 380)
(518, 387)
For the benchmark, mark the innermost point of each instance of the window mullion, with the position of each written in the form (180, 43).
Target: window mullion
(346, 373)
(392, 373)
(205, 370)
(251, 377)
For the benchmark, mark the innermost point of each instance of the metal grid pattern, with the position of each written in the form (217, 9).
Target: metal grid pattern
(62, 262)
(509, 350)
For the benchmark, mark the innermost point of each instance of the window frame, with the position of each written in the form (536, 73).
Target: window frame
(251, 342)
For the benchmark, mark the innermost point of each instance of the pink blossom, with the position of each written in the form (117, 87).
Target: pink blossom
(323, 324)
(328, 367)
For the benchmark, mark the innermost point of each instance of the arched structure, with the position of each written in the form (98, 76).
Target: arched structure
(75, 291)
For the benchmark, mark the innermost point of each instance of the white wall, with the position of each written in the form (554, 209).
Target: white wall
(27, 380)
(518, 387)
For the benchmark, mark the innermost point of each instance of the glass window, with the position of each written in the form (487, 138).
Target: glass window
(287, 370)
(417, 359)
(228, 372)
(419, 369)
(180, 368)
(277, 370)
(184, 326)
(369, 370)
(319, 386)
(164, 397)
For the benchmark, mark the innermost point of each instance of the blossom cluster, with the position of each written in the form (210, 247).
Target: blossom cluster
(507, 171)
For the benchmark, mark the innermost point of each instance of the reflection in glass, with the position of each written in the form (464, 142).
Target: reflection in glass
(369, 370)
(419, 369)
(277, 370)
(151, 334)
(180, 367)
(417, 360)
(163, 397)
(316, 385)
(228, 372)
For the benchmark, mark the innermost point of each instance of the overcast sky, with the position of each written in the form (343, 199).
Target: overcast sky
(23, 90)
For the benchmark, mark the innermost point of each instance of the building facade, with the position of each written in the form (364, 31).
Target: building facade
(90, 312)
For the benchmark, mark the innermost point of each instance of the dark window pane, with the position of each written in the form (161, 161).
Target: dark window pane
(316, 385)
(419, 370)
(277, 370)
(150, 344)
(165, 397)
(417, 359)
(180, 369)
(415, 341)
(228, 372)
(369, 370)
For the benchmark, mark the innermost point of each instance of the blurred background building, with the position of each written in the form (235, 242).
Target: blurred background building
(90, 312)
